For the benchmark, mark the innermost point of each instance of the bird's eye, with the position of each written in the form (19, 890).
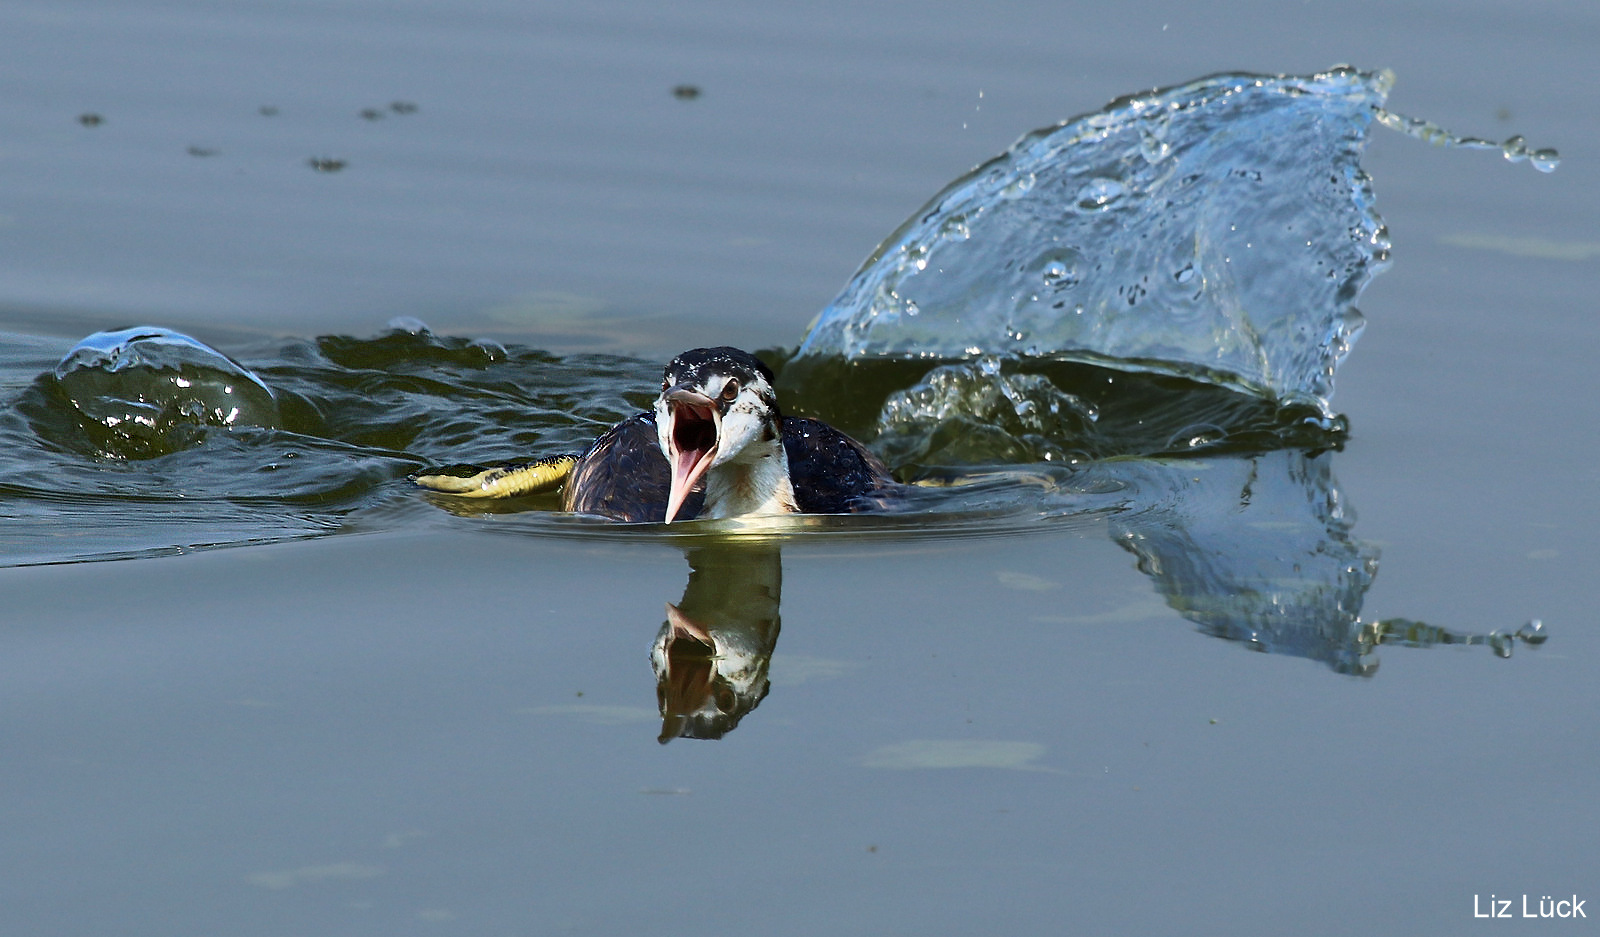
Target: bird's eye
(730, 390)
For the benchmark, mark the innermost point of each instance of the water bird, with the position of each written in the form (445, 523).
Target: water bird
(715, 445)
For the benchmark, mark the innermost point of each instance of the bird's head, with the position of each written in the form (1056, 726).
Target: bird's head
(716, 406)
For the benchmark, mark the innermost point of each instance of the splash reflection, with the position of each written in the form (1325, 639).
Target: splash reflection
(1257, 550)
(1260, 550)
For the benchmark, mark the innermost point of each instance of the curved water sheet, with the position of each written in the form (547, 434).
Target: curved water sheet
(149, 391)
(1219, 231)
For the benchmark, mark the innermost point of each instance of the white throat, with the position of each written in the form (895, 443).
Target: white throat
(756, 482)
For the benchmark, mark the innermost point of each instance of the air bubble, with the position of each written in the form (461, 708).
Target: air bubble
(1058, 275)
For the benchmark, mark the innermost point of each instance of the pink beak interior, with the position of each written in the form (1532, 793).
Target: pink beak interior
(694, 426)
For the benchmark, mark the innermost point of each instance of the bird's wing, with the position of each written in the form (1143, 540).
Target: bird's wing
(832, 473)
(625, 477)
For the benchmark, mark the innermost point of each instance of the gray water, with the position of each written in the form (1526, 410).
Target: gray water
(382, 732)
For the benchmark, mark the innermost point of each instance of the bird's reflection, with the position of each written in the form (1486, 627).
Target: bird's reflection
(712, 653)
(1256, 549)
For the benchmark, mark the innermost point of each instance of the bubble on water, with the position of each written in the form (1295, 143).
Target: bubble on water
(149, 391)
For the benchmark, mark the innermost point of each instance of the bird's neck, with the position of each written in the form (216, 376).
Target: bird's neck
(756, 483)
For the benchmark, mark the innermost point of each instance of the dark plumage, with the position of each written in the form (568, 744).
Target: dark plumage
(625, 475)
(715, 445)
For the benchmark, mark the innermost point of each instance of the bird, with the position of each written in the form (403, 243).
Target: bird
(714, 445)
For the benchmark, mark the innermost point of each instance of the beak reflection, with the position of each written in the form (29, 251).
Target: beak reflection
(712, 654)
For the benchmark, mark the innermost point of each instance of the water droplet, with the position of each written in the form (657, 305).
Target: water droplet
(1153, 148)
(1184, 275)
(1018, 186)
(1058, 275)
(1545, 160)
(1098, 194)
(955, 227)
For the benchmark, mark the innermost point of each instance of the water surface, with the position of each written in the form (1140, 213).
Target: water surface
(381, 732)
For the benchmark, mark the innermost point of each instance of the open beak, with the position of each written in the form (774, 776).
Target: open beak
(683, 688)
(694, 428)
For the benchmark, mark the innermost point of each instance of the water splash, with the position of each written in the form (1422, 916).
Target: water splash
(1514, 149)
(148, 391)
(344, 421)
(1220, 231)
(992, 411)
(973, 414)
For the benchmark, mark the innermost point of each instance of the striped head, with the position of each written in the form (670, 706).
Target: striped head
(717, 406)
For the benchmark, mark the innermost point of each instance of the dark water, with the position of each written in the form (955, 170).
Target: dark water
(981, 717)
